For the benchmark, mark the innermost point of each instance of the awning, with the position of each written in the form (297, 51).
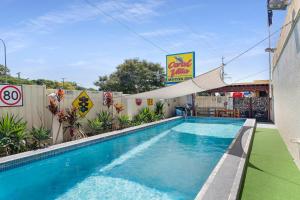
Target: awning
(203, 82)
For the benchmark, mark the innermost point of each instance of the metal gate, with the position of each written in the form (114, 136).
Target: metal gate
(253, 107)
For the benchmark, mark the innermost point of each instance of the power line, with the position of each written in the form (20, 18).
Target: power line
(191, 30)
(187, 27)
(250, 75)
(239, 55)
(211, 50)
(127, 27)
(258, 43)
(120, 7)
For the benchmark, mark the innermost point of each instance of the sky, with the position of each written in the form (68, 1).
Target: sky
(55, 39)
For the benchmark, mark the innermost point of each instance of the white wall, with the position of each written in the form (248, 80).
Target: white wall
(214, 101)
(286, 89)
(131, 109)
(96, 98)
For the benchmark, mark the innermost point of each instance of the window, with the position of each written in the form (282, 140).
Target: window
(297, 37)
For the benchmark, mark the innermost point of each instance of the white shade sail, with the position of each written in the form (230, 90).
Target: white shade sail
(203, 82)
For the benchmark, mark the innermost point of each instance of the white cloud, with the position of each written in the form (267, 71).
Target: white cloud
(136, 12)
(19, 37)
(84, 12)
(162, 32)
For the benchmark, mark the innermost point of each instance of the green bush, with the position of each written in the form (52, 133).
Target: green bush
(96, 126)
(145, 116)
(13, 135)
(159, 110)
(102, 123)
(106, 119)
(124, 121)
(40, 137)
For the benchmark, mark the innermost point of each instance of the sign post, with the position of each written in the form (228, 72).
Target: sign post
(180, 67)
(11, 95)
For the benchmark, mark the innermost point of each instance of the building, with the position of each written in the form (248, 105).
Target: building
(257, 88)
(286, 81)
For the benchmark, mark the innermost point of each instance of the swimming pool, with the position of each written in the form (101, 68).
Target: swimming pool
(171, 160)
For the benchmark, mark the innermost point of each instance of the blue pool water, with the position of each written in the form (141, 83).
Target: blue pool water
(167, 161)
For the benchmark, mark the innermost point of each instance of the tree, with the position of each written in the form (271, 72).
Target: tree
(133, 76)
(49, 83)
(2, 70)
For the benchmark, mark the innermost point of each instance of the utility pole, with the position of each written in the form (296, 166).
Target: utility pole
(19, 75)
(5, 65)
(63, 82)
(223, 64)
(223, 58)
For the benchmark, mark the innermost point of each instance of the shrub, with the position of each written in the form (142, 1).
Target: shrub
(106, 119)
(145, 116)
(96, 126)
(70, 118)
(124, 121)
(13, 135)
(159, 110)
(102, 123)
(40, 136)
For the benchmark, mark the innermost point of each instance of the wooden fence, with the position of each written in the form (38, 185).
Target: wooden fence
(33, 110)
(35, 101)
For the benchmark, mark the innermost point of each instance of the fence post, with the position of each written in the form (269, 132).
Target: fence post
(250, 108)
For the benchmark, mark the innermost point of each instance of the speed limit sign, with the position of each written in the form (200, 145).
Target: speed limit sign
(11, 95)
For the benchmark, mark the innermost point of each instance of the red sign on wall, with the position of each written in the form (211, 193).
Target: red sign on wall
(138, 102)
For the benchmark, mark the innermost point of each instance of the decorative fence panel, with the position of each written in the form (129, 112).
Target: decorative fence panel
(261, 108)
(249, 107)
(243, 105)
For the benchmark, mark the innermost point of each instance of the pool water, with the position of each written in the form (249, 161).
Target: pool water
(167, 161)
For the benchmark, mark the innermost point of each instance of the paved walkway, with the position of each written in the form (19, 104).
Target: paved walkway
(271, 173)
(265, 125)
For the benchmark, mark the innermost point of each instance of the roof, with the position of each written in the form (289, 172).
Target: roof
(258, 85)
(255, 82)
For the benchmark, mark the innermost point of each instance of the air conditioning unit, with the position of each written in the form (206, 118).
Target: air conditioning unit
(278, 4)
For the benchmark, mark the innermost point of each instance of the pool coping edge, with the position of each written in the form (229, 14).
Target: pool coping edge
(226, 179)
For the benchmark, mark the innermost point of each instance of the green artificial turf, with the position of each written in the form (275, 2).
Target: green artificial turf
(271, 172)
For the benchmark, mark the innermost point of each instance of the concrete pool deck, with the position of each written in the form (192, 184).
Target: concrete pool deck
(271, 173)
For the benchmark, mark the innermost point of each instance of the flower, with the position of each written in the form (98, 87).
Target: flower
(60, 94)
(108, 99)
(119, 107)
(53, 107)
(61, 116)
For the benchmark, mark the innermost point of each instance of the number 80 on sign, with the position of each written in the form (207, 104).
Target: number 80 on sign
(11, 95)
